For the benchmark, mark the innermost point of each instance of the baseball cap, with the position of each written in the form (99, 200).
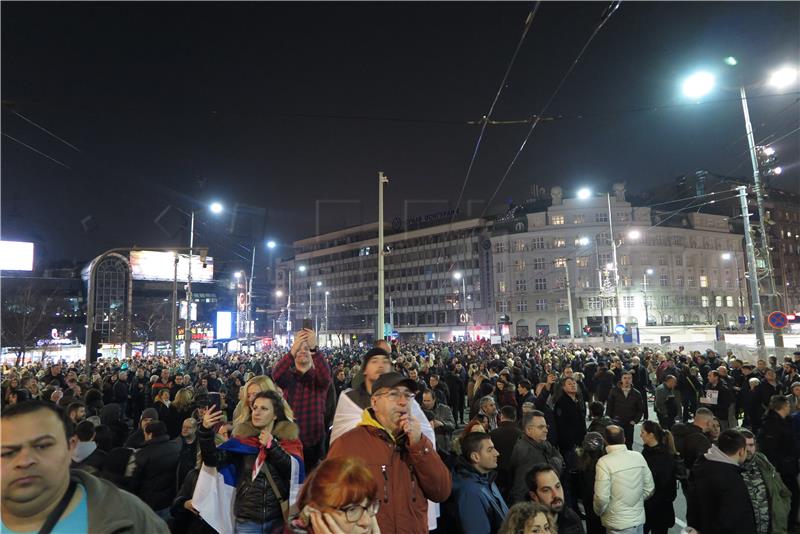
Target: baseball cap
(392, 380)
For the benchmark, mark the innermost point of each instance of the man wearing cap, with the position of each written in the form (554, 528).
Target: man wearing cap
(136, 439)
(404, 462)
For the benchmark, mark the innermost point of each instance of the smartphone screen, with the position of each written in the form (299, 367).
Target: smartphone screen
(307, 324)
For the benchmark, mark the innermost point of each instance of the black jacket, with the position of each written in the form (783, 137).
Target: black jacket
(658, 508)
(623, 409)
(603, 384)
(153, 477)
(504, 437)
(691, 442)
(724, 400)
(776, 441)
(182, 520)
(726, 506)
(571, 422)
(254, 499)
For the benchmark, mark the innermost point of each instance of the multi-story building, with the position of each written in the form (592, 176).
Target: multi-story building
(434, 284)
(673, 268)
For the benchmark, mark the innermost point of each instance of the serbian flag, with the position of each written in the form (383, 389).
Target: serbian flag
(216, 486)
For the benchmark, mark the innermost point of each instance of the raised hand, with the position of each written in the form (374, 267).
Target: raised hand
(211, 417)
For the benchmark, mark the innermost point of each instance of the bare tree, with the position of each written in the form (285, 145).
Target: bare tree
(26, 310)
(152, 320)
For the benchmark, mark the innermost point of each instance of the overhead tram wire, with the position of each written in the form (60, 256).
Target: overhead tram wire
(488, 116)
(29, 147)
(603, 19)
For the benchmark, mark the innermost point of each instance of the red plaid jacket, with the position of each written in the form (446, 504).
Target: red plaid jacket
(306, 394)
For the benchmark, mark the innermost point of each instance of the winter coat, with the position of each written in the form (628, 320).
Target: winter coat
(668, 402)
(603, 384)
(114, 511)
(724, 400)
(622, 483)
(625, 410)
(690, 442)
(481, 508)
(526, 454)
(658, 509)
(504, 437)
(776, 441)
(718, 484)
(444, 433)
(407, 475)
(182, 519)
(154, 472)
(254, 500)
(571, 422)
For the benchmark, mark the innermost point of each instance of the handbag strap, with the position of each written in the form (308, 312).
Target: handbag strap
(55, 515)
(271, 481)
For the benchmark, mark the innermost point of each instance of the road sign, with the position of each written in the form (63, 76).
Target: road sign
(619, 329)
(742, 319)
(777, 319)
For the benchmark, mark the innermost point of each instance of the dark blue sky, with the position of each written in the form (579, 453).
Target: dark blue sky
(287, 107)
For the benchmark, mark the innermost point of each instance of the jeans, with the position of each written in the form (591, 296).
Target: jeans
(163, 514)
(253, 527)
(633, 530)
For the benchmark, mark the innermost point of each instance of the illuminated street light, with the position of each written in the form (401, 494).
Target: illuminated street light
(279, 293)
(319, 283)
(698, 84)
(777, 170)
(237, 274)
(584, 193)
(649, 271)
(302, 268)
(271, 244)
(783, 77)
(583, 241)
(216, 208)
(634, 234)
(730, 60)
(457, 275)
(769, 151)
(726, 256)
(609, 266)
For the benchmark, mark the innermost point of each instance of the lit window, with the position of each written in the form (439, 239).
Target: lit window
(519, 246)
(583, 261)
(579, 219)
(718, 301)
(559, 243)
(519, 265)
(557, 219)
(729, 301)
(560, 262)
(703, 280)
(704, 301)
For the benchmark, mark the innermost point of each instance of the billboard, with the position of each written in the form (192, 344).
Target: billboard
(160, 266)
(16, 256)
(224, 322)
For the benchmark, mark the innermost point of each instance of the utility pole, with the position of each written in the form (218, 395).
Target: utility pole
(382, 179)
(174, 310)
(616, 265)
(569, 300)
(187, 329)
(600, 288)
(250, 327)
(772, 294)
(289, 307)
(758, 314)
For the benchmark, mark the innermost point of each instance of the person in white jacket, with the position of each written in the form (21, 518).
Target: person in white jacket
(622, 483)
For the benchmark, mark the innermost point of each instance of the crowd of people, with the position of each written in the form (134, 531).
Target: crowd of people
(451, 437)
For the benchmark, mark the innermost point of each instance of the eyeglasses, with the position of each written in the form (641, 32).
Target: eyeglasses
(397, 395)
(354, 512)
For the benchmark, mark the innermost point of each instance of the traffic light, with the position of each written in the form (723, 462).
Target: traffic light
(768, 161)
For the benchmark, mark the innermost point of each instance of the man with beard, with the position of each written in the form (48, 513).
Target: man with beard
(545, 488)
(770, 497)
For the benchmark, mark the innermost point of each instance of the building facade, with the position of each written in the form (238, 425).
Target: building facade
(673, 268)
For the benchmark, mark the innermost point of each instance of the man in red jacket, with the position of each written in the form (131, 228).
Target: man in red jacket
(403, 461)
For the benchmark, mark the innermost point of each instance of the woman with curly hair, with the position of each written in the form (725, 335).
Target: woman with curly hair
(527, 518)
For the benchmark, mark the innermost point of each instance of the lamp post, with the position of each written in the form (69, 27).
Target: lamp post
(701, 84)
(316, 315)
(247, 284)
(327, 294)
(458, 275)
(727, 256)
(644, 291)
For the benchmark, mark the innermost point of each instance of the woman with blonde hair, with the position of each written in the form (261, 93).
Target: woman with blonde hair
(180, 409)
(247, 394)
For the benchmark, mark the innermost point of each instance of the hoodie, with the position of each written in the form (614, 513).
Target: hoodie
(716, 482)
(481, 508)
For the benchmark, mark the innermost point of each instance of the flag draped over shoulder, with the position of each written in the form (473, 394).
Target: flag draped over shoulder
(216, 486)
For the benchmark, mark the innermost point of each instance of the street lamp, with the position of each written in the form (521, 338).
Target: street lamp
(634, 234)
(584, 194)
(458, 275)
(327, 294)
(271, 244)
(215, 208)
(781, 78)
(727, 256)
(644, 291)
(279, 293)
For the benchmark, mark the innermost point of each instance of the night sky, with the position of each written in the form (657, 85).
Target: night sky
(294, 108)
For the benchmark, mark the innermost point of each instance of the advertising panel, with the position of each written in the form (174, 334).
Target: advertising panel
(224, 322)
(16, 256)
(160, 266)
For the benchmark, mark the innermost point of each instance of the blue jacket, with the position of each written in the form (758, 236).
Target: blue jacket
(481, 508)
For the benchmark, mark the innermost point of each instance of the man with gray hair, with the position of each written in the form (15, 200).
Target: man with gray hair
(532, 448)
(489, 409)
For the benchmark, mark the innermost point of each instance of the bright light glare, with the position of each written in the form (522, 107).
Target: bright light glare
(783, 77)
(216, 208)
(769, 151)
(279, 293)
(271, 244)
(583, 241)
(237, 274)
(649, 271)
(634, 234)
(609, 266)
(302, 268)
(319, 283)
(698, 84)
(327, 293)
(730, 60)
(457, 275)
(584, 193)
(777, 170)
(726, 255)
